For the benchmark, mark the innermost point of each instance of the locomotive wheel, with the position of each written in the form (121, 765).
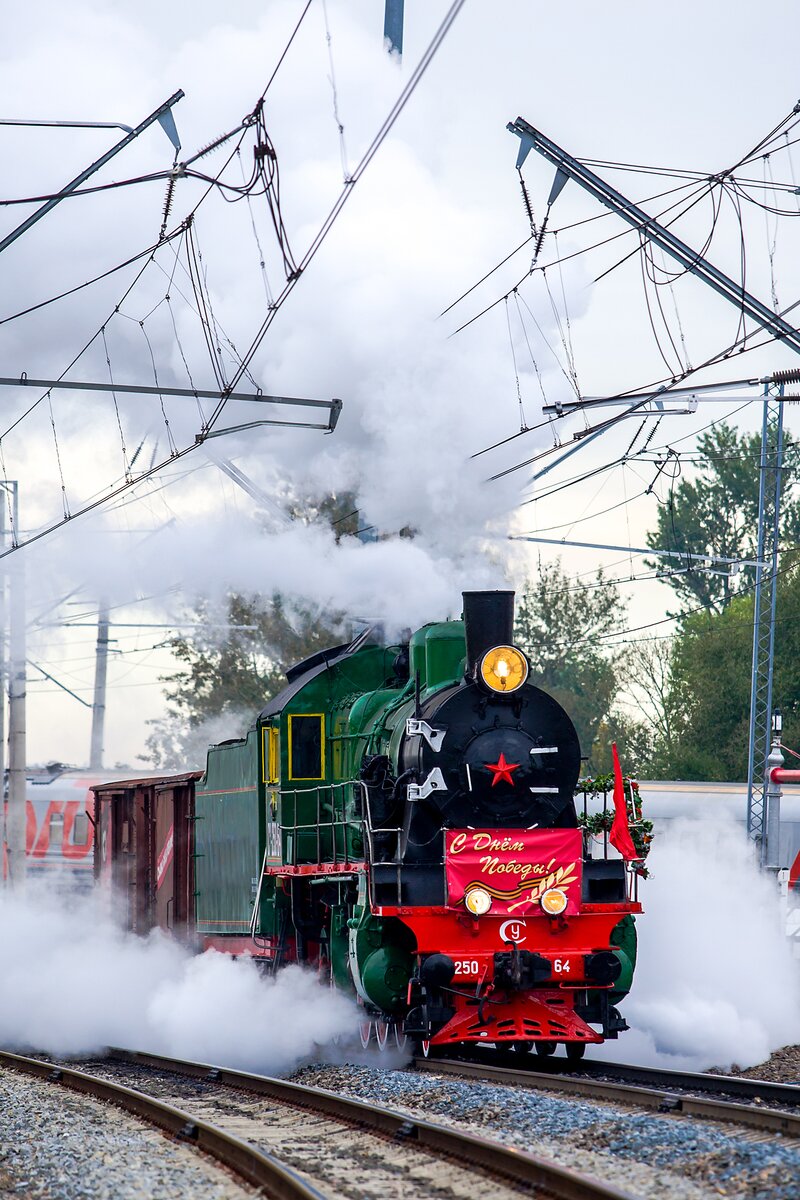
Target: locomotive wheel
(400, 1038)
(381, 1034)
(425, 1046)
(365, 1033)
(523, 1047)
(546, 1049)
(575, 1050)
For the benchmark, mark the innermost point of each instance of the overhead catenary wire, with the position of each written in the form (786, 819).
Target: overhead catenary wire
(672, 618)
(591, 472)
(64, 499)
(621, 233)
(176, 233)
(383, 132)
(534, 363)
(522, 422)
(380, 136)
(82, 350)
(660, 389)
(335, 93)
(707, 183)
(601, 216)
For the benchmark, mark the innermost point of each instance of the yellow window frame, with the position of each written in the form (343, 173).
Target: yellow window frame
(270, 754)
(321, 718)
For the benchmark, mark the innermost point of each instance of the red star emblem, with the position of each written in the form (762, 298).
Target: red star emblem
(502, 770)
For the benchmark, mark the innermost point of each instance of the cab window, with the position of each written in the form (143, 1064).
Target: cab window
(306, 746)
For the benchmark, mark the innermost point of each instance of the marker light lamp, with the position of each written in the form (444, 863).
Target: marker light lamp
(504, 669)
(553, 902)
(478, 901)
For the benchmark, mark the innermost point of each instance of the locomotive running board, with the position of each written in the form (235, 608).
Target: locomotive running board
(518, 1019)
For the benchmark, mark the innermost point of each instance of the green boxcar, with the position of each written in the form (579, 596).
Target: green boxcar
(229, 837)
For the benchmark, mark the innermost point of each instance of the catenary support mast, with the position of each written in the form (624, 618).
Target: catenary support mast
(766, 595)
(17, 764)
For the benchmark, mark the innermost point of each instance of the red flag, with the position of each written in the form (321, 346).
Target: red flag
(620, 835)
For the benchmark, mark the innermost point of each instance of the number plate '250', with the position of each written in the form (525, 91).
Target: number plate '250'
(467, 966)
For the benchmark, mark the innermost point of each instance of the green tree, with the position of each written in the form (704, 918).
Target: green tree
(707, 703)
(648, 685)
(716, 512)
(232, 665)
(561, 625)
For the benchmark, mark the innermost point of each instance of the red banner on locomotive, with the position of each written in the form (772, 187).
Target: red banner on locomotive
(515, 868)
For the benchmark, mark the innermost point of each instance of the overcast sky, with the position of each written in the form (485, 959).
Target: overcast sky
(688, 86)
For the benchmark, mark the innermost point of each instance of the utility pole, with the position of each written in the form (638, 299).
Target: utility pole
(750, 306)
(100, 673)
(17, 765)
(765, 600)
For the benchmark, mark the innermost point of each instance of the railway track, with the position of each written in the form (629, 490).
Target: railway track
(301, 1143)
(758, 1104)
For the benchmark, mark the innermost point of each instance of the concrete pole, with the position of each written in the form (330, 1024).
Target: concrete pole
(17, 765)
(100, 674)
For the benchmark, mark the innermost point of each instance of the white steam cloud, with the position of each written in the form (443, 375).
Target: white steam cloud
(73, 983)
(362, 327)
(400, 581)
(425, 222)
(716, 983)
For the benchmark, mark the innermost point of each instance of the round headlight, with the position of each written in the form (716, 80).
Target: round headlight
(478, 901)
(504, 668)
(554, 901)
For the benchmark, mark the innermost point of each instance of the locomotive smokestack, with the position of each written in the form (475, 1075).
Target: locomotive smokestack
(488, 621)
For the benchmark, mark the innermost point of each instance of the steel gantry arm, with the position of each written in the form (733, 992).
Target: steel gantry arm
(163, 114)
(659, 235)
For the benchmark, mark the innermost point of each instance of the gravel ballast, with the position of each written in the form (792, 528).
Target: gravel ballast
(58, 1145)
(782, 1066)
(648, 1154)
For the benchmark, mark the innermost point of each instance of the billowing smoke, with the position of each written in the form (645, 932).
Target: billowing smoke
(716, 983)
(439, 205)
(361, 326)
(179, 746)
(73, 983)
(399, 580)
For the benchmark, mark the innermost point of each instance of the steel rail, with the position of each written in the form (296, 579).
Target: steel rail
(250, 1164)
(663, 1097)
(443, 1142)
(730, 1085)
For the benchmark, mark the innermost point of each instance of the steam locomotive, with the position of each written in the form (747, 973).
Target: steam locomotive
(401, 819)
